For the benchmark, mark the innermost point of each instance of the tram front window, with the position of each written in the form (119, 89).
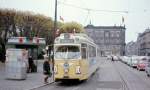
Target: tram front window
(67, 52)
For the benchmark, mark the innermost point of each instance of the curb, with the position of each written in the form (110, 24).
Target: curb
(40, 86)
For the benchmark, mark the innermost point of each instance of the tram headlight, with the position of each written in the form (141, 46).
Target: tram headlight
(78, 71)
(55, 69)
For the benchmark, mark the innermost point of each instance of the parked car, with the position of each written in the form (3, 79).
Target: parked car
(147, 69)
(116, 58)
(125, 59)
(109, 57)
(141, 65)
(134, 61)
(129, 60)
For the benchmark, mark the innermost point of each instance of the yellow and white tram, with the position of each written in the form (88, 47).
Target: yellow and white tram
(75, 57)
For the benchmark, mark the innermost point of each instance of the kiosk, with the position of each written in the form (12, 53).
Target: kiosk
(16, 63)
(18, 50)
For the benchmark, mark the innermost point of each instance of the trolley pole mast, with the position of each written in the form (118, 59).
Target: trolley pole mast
(53, 35)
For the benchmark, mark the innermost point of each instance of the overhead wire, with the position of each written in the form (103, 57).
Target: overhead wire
(100, 10)
(89, 10)
(95, 10)
(87, 16)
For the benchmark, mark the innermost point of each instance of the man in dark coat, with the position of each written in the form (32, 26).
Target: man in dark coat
(112, 58)
(46, 70)
(31, 64)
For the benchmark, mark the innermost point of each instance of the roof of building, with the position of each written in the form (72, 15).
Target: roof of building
(90, 26)
(145, 32)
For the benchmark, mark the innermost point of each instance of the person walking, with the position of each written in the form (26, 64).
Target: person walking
(31, 63)
(46, 70)
(112, 58)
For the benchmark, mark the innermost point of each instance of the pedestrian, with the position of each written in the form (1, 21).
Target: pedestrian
(31, 63)
(46, 70)
(112, 58)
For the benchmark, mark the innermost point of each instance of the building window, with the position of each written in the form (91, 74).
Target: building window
(106, 34)
(117, 35)
(112, 34)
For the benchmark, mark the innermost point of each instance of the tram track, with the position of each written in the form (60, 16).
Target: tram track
(40, 86)
(58, 85)
(124, 83)
(138, 77)
(83, 86)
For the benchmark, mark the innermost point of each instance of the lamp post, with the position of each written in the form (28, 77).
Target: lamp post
(53, 35)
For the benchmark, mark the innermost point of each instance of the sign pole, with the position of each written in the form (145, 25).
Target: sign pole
(53, 37)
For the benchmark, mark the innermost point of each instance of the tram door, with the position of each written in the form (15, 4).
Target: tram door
(84, 58)
(84, 51)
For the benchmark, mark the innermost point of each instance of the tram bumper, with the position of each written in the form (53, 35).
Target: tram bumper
(68, 77)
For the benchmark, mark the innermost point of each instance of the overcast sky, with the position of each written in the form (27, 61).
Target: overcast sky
(136, 21)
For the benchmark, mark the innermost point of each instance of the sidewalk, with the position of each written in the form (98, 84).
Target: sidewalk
(33, 80)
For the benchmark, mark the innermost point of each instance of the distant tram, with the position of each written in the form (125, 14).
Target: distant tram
(75, 57)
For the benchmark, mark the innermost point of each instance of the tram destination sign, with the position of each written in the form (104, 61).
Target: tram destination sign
(66, 41)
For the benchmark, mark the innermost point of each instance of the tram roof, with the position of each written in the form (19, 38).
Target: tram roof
(78, 37)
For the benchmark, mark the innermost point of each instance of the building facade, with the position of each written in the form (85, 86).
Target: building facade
(144, 43)
(131, 48)
(110, 39)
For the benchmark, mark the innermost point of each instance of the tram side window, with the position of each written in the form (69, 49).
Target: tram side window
(92, 51)
(83, 50)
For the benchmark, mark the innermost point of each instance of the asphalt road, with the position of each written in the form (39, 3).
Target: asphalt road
(110, 76)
